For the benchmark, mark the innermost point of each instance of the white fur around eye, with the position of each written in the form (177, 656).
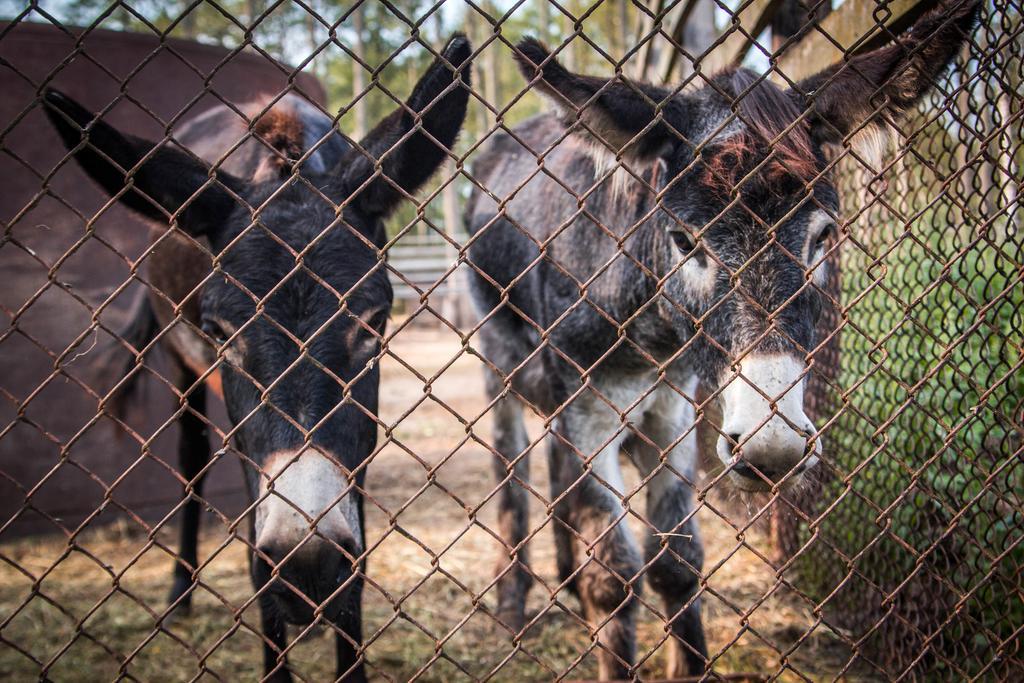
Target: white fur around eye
(233, 354)
(698, 273)
(229, 345)
(366, 335)
(820, 273)
(814, 253)
(366, 347)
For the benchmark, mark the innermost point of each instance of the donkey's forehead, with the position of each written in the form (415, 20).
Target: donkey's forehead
(268, 253)
(299, 217)
(301, 301)
(713, 121)
(742, 235)
(772, 179)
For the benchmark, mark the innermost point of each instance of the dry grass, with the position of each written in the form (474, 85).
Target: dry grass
(88, 612)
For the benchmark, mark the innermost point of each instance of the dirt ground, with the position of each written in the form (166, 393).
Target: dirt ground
(86, 610)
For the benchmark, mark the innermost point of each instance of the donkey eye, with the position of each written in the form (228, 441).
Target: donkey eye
(214, 331)
(825, 236)
(683, 241)
(379, 321)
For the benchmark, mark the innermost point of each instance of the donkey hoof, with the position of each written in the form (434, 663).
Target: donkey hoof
(179, 605)
(177, 613)
(513, 617)
(281, 675)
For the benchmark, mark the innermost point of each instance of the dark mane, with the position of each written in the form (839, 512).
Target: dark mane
(281, 129)
(768, 115)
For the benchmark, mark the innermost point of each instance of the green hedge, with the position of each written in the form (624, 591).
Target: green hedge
(931, 356)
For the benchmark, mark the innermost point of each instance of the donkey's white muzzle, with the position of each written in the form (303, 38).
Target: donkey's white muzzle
(303, 493)
(766, 435)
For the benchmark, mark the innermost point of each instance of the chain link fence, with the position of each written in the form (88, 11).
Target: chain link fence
(652, 373)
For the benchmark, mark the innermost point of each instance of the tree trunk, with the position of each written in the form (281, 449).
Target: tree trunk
(477, 35)
(611, 20)
(692, 26)
(189, 23)
(1008, 169)
(490, 71)
(622, 30)
(359, 73)
(543, 20)
(311, 24)
(451, 213)
(569, 55)
(453, 306)
(645, 55)
(700, 30)
(965, 148)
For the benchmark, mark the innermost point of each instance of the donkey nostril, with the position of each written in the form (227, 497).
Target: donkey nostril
(744, 470)
(271, 551)
(734, 442)
(349, 546)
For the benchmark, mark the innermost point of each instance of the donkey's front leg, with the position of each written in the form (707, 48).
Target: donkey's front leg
(511, 466)
(605, 552)
(674, 554)
(349, 637)
(273, 627)
(676, 557)
(559, 454)
(193, 456)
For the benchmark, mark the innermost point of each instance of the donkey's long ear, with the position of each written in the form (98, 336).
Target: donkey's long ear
(412, 142)
(160, 183)
(858, 99)
(621, 114)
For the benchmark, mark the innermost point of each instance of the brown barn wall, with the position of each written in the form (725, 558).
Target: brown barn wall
(59, 463)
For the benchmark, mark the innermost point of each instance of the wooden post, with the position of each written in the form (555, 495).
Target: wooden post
(964, 136)
(252, 11)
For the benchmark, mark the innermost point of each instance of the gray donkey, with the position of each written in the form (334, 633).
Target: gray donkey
(606, 297)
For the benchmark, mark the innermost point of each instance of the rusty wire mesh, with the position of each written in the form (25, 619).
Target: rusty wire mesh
(917, 531)
(902, 559)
